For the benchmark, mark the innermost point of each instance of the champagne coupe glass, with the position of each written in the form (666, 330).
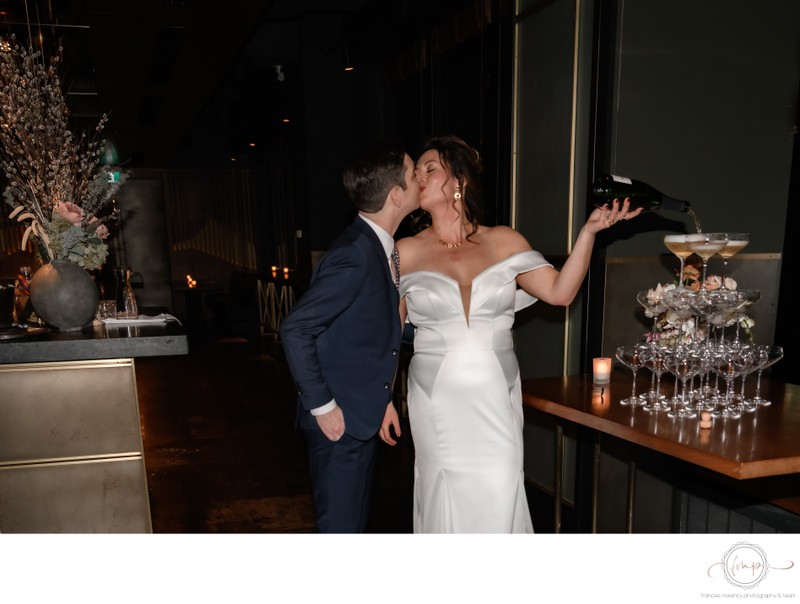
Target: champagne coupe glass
(706, 245)
(678, 301)
(653, 359)
(679, 311)
(653, 303)
(768, 356)
(744, 299)
(630, 357)
(706, 395)
(756, 360)
(736, 242)
(729, 365)
(683, 364)
(712, 306)
(677, 245)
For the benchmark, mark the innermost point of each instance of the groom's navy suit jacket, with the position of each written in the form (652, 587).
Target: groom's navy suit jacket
(342, 338)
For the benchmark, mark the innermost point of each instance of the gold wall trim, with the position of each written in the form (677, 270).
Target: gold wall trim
(571, 195)
(571, 227)
(514, 120)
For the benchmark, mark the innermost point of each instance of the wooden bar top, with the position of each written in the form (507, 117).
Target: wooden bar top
(763, 443)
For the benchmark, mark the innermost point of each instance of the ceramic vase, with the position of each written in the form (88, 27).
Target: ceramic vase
(64, 295)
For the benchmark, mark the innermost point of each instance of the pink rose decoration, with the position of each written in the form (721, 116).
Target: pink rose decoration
(100, 229)
(69, 211)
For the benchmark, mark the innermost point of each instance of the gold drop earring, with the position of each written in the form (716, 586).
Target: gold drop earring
(457, 194)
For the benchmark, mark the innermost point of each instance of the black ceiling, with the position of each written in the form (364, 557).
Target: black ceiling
(156, 65)
(179, 78)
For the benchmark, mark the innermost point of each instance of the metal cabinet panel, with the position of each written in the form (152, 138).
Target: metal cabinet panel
(71, 455)
(99, 496)
(68, 410)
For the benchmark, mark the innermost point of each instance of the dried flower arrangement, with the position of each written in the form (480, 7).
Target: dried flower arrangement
(57, 185)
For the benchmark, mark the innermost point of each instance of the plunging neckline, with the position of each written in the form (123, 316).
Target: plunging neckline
(466, 306)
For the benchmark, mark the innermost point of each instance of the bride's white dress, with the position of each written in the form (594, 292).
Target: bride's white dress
(465, 402)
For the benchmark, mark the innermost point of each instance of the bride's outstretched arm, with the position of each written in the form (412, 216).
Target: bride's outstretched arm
(560, 287)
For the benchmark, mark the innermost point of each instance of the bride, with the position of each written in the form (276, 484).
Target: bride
(458, 288)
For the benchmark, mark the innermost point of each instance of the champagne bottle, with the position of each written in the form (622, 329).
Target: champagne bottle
(609, 187)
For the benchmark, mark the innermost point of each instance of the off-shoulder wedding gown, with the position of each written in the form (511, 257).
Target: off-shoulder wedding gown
(465, 402)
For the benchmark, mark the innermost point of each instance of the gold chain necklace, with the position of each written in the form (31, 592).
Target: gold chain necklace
(449, 245)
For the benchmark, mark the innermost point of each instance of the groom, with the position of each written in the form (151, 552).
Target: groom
(342, 339)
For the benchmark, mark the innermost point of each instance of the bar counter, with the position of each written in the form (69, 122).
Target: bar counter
(763, 445)
(97, 342)
(71, 455)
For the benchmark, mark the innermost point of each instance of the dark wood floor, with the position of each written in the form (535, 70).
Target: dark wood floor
(221, 451)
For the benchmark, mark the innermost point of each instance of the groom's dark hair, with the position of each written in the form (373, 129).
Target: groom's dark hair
(372, 174)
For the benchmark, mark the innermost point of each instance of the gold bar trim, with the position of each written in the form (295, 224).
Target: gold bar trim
(61, 365)
(60, 461)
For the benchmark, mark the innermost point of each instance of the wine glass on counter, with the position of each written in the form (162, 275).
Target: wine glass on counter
(678, 245)
(630, 356)
(706, 245)
(736, 242)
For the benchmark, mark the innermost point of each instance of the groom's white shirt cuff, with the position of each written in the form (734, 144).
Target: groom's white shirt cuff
(325, 408)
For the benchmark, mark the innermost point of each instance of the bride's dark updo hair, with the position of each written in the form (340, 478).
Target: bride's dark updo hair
(463, 162)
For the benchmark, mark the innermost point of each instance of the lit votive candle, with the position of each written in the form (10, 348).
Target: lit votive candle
(601, 370)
